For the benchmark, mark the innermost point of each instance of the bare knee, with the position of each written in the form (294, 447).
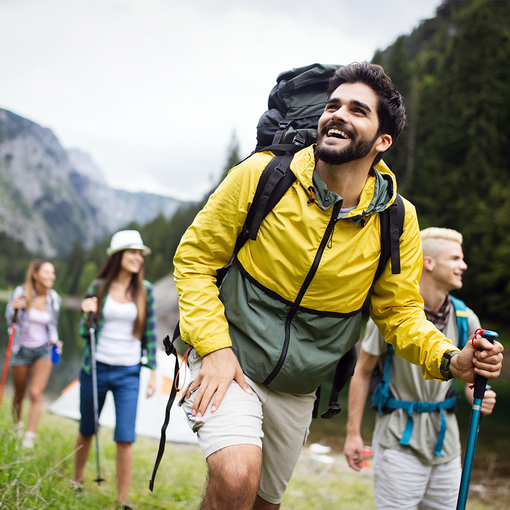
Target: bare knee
(234, 475)
(35, 395)
(242, 462)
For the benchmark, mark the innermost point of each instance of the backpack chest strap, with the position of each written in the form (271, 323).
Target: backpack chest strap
(423, 407)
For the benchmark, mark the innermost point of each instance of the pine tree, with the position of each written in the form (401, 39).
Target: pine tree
(462, 174)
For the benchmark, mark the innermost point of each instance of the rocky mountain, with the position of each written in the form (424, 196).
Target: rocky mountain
(118, 207)
(50, 197)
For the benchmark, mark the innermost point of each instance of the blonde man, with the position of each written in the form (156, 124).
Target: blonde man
(416, 464)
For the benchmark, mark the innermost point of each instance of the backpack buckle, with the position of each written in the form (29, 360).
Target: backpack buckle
(169, 346)
(333, 409)
(299, 140)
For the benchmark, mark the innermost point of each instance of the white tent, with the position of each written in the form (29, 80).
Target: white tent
(151, 411)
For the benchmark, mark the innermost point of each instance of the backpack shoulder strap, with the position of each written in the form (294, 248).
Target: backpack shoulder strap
(274, 182)
(462, 320)
(381, 393)
(392, 227)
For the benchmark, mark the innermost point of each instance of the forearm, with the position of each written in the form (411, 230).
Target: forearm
(358, 389)
(358, 392)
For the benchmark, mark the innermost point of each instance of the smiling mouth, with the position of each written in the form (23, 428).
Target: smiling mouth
(338, 133)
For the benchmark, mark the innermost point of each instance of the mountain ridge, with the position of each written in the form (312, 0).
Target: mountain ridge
(50, 197)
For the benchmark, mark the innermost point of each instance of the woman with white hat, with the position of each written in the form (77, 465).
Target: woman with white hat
(125, 318)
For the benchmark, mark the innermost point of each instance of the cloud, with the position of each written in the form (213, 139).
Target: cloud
(154, 88)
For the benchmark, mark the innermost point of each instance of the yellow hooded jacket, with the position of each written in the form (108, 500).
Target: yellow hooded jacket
(290, 307)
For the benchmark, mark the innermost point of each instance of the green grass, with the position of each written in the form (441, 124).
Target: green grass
(39, 478)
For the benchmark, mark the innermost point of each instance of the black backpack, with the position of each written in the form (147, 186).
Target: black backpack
(290, 124)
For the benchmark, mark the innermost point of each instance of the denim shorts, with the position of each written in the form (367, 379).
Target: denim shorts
(124, 383)
(26, 356)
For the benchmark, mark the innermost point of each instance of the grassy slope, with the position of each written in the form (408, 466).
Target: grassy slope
(29, 479)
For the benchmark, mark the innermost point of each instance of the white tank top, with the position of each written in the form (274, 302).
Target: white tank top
(116, 344)
(36, 334)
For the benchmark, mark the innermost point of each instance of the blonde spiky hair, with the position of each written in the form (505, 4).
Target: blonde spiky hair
(433, 239)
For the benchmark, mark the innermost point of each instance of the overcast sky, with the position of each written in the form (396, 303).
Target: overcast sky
(154, 89)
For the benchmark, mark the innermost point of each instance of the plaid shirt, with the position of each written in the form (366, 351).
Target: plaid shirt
(149, 339)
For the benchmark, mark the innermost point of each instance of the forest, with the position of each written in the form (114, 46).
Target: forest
(451, 161)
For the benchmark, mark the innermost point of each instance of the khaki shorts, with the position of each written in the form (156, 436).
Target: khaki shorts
(276, 422)
(402, 481)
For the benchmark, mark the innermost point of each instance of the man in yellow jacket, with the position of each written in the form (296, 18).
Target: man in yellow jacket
(290, 307)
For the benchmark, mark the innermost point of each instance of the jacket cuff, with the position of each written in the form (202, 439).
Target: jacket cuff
(206, 346)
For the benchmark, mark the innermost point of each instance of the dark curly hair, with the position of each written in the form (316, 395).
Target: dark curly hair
(390, 105)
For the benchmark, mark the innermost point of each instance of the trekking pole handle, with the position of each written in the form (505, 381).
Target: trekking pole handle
(480, 381)
(490, 335)
(92, 321)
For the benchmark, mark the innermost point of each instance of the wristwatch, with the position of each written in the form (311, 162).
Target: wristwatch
(445, 364)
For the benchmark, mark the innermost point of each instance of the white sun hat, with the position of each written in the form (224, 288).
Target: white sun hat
(127, 240)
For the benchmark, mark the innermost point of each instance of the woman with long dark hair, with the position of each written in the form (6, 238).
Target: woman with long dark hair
(38, 307)
(124, 310)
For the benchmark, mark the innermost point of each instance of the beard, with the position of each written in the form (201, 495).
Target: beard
(358, 149)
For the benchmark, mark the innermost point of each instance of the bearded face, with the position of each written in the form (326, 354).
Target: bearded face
(357, 148)
(348, 129)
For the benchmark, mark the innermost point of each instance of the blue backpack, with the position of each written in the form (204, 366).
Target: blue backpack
(383, 400)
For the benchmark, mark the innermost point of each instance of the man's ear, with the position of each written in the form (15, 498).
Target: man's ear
(383, 143)
(428, 263)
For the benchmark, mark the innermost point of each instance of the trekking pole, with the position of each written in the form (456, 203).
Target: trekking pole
(474, 426)
(92, 333)
(8, 354)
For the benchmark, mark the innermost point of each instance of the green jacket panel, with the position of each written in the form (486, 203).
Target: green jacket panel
(284, 254)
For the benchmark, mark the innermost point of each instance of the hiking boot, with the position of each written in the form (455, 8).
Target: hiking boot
(76, 486)
(28, 440)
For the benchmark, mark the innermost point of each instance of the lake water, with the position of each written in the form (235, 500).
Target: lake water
(493, 450)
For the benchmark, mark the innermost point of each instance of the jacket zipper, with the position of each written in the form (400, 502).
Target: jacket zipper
(309, 277)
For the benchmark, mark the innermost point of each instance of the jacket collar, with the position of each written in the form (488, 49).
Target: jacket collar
(379, 192)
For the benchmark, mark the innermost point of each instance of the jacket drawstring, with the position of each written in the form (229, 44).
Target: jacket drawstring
(313, 196)
(330, 240)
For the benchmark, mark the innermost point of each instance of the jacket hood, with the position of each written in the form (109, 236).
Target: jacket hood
(379, 192)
